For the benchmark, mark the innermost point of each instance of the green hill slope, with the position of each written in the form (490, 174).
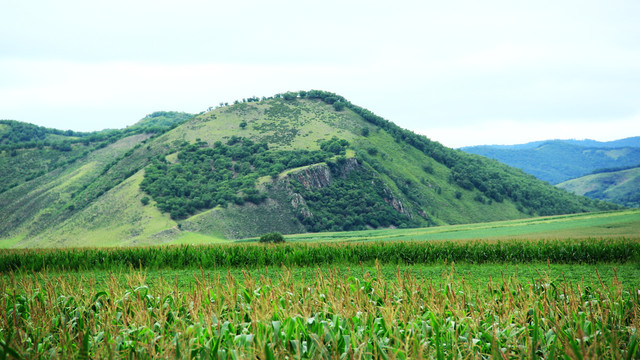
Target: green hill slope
(620, 187)
(30, 151)
(297, 162)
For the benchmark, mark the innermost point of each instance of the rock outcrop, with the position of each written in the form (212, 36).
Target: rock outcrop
(321, 175)
(316, 176)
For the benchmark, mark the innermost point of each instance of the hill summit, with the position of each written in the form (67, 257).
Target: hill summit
(303, 161)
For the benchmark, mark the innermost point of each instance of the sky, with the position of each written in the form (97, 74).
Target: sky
(460, 72)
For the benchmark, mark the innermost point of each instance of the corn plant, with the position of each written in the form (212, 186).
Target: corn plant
(590, 251)
(333, 316)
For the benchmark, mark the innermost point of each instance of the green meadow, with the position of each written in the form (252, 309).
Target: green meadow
(624, 223)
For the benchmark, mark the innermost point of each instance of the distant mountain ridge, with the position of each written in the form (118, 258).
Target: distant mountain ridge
(296, 162)
(626, 142)
(556, 161)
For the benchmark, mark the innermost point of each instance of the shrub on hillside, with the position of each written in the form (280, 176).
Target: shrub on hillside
(274, 237)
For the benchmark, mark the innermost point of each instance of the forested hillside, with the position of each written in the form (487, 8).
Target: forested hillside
(30, 151)
(296, 162)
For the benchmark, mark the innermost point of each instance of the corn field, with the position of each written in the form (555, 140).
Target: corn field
(589, 251)
(332, 316)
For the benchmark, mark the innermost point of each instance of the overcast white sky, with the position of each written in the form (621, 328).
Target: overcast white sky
(460, 72)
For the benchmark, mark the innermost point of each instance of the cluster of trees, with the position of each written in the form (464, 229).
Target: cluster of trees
(274, 237)
(17, 131)
(245, 100)
(19, 135)
(208, 176)
(352, 201)
(335, 146)
(629, 199)
(159, 122)
(29, 151)
(614, 169)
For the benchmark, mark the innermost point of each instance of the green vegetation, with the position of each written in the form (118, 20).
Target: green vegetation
(22, 165)
(239, 310)
(18, 135)
(316, 254)
(615, 169)
(273, 238)
(80, 204)
(205, 177)
(159, 122)
(304, 161)
(354, 200)
(560, 160)
(579, 226)
(29, 151)
(619, 186)
(574, 297)
(492, 179)
(15, 134)
(229, 318)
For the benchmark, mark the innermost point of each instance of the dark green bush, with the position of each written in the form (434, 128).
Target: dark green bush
(274, 237)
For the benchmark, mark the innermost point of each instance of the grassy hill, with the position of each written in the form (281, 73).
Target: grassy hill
(296, 162)
(560, 160)
(620, 187)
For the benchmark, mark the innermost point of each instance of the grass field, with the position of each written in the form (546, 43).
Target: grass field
(544, 288)
(624, 223)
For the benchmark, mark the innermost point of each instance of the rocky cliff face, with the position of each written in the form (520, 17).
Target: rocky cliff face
(300, 205)
(316, 176)
(321, 176)
(395, 202)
